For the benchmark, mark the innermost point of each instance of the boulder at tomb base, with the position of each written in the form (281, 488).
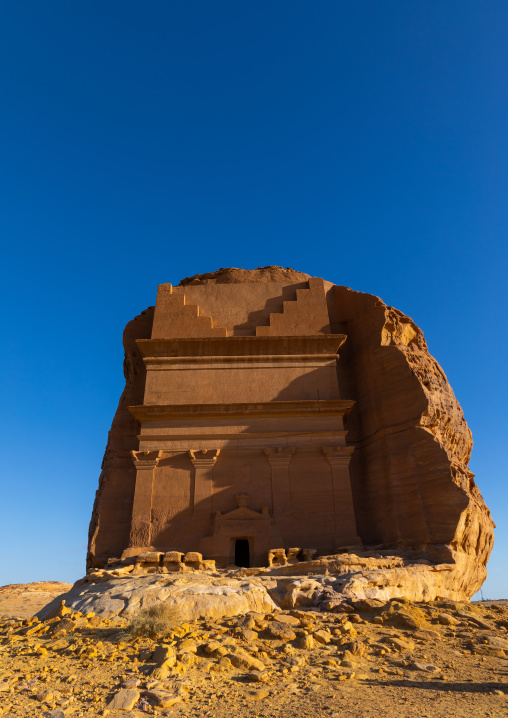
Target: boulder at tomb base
(193, 597)
(410, 446)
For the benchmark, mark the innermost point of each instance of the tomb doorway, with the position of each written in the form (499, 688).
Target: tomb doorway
(242, 552)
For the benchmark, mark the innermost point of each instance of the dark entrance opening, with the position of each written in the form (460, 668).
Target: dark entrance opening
(242, 553)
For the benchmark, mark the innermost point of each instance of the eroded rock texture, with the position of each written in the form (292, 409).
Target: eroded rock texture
(410, 475)
(112, 511)
(412, 489)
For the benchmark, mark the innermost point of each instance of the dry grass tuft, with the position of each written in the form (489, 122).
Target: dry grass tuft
(154, 621)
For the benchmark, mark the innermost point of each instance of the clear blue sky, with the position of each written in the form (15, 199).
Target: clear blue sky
(141, 142)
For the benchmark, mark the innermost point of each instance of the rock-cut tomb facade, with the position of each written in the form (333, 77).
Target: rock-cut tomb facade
(268, 409)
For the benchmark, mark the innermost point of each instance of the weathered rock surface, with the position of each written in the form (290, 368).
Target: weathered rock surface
(340, 583)
(124, 700)
(413, 492)
(199, 597)
(409, 471)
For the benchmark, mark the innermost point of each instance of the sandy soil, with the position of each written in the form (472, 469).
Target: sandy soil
(427, 660)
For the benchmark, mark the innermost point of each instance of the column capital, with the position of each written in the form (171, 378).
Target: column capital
(204, 458)
(146, 459)
(281, 456)
(338, 455)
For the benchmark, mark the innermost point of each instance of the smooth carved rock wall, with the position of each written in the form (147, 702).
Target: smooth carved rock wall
(409, 475)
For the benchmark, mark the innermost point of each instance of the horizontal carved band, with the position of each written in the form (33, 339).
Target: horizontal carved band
(300, 408)
(242, 346)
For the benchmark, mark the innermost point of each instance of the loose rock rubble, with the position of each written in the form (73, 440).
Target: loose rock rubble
(376, 659)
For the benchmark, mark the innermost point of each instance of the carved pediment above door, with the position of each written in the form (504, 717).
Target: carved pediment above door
(243, 512)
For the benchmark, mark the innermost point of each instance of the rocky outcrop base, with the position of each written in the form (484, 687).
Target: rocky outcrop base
(332, 583)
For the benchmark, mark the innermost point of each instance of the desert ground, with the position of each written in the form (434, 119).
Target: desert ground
(429, 660)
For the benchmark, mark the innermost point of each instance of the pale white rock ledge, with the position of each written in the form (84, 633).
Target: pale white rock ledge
(195, 596)
(330, 584)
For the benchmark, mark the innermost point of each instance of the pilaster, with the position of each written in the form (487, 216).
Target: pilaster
(203, 462)
(346, 533)
(145, 463)
(280, 459)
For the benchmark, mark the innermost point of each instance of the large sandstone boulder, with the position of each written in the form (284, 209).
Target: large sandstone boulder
(194, 597)
(331, 583)
(413, 492)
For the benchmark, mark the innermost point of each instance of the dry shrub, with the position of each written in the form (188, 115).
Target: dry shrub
(154, 621)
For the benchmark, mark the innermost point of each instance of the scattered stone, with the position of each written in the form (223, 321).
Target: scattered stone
(287, 618)
(257, 676)
(124, 700)
(346, 675)
(62, 627)
(426, 667)
(249, 636)
(259, 694)
(45, 696)
(132, 683)
(59, 609)
(498, 642)
(188, 646)
(348, 664)
(163, 699)
(427, 635)
(162, 652)
(187, 658)
(446, 620)
(344, 628)
(322, 636)
(306, 641)
(41, 683)
(243, 660)
(475, 619)
(400, 644)
(212, 647)
(368, 604)
(280, 631)
(355, 648)
(145, 654)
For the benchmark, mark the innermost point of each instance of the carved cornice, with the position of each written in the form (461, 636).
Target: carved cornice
(270, 409)
(196, 438)
(243, 347)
